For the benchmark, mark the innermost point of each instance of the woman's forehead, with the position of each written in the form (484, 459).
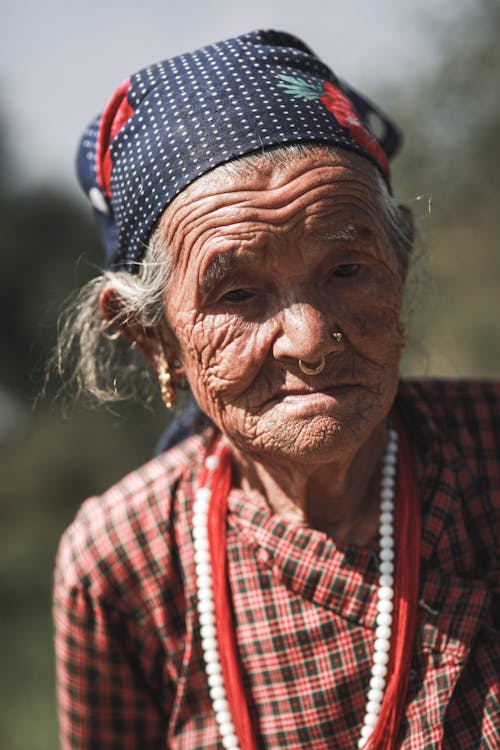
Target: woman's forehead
(320, 178)
(277, 167)
(312, 201)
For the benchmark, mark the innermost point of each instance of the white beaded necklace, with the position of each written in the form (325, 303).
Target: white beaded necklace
(385, 595)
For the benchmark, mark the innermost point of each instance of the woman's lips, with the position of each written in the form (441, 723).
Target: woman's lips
(330, 390)
(310, 395)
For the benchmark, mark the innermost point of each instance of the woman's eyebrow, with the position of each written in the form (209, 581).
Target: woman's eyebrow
(218, 268)
(349, 232)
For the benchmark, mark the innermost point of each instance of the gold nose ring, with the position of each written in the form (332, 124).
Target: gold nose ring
(312, 370)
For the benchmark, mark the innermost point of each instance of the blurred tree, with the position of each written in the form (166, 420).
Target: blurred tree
(5, 166)
(452, 122)
(454, 115)
(48, 246)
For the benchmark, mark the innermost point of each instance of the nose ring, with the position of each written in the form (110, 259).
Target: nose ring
(312, 370)
(338, 336)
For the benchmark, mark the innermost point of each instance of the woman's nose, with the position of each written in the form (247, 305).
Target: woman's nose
(305, 333)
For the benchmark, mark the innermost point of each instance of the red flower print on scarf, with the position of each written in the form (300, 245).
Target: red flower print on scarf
(341, 108)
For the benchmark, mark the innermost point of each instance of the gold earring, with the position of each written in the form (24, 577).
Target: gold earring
(168, 394)
(338, 336)
(109, 333)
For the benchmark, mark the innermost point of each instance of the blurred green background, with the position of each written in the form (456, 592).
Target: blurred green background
(52, 458)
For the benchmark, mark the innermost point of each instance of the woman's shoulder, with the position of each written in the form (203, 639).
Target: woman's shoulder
(120, 538)
(455, 425)
(470, 403)
(458, 422)
(463, 414)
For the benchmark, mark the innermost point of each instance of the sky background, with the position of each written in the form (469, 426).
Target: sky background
(61, 60)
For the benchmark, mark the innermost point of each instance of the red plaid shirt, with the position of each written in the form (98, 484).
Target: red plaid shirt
(130, 667)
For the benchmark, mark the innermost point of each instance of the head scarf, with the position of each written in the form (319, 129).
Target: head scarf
(176, 120)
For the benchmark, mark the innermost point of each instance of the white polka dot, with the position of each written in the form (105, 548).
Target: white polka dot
(98, 200)
(376, 125)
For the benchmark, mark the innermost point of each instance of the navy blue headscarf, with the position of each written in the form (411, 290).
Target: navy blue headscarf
(177, 119)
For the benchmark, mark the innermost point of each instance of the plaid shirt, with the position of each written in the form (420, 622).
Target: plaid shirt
(130, 667)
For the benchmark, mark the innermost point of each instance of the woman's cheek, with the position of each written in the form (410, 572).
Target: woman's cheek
(225, 354)
(371, 319)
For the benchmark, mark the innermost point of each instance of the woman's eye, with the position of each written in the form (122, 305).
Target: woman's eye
(346, 269)
(237, 295)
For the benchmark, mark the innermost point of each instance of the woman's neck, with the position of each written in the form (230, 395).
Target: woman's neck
(340, 498)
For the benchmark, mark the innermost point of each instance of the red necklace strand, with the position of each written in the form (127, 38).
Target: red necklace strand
(224, 674)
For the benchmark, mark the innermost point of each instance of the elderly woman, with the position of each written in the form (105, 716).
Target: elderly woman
(310, 564)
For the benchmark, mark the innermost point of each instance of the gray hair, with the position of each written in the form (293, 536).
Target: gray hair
(91, 360)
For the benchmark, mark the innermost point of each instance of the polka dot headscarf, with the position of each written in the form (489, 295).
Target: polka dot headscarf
(176, 120)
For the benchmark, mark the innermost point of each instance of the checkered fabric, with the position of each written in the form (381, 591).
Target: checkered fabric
(129, 661)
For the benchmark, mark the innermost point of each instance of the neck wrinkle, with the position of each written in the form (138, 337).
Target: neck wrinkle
(340, 499)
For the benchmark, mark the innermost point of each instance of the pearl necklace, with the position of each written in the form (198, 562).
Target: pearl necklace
(385, 595)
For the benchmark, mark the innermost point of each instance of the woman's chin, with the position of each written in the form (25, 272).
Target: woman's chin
(308, 426)
(299, 438)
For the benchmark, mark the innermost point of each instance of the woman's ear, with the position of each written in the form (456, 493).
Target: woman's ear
(147, 340)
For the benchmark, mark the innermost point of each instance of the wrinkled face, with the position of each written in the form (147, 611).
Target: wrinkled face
(268, 266)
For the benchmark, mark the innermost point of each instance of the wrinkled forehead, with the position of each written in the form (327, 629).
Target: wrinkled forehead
(275, 180)
(274, 163)
(301, 198)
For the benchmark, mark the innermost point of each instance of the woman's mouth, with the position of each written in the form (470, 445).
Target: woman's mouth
(303, 396)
